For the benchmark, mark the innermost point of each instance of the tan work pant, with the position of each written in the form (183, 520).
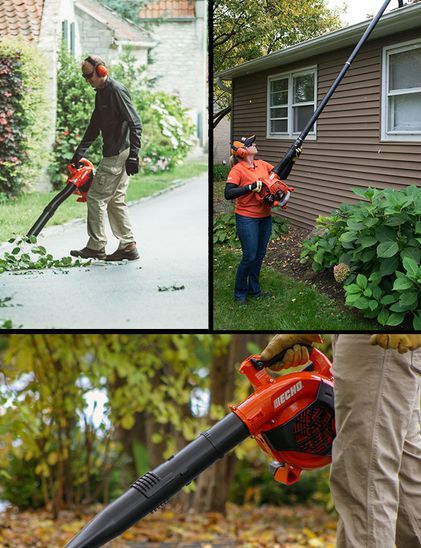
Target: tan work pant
(107, 195)
(376, 460)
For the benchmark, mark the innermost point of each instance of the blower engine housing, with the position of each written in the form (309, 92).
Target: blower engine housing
(291, 417)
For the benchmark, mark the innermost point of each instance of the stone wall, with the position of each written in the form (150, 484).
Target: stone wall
(97, 39)
(221, 140)
(180, 63)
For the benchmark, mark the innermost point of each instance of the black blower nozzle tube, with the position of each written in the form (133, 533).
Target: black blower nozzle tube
(50, 209)
(155, 487)
(283, 168)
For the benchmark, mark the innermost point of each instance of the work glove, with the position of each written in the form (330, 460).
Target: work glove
(297, 154)
(401, 343)
(256, 186)
(132, 165)
(76, 160)
(295, 355)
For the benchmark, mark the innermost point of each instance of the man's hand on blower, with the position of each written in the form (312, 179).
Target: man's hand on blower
(132, 165)
(76, 160)
(295, 355)
(401, 343)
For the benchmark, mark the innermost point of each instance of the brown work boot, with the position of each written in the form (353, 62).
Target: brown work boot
(87, 253)
(128, 252)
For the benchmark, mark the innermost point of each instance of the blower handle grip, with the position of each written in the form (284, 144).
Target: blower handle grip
(319, 363)
(259, 364)
(255, 368)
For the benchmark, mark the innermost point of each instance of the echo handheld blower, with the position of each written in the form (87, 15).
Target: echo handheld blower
(291, 418)
(78, 182)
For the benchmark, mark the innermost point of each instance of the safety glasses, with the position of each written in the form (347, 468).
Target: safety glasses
(88, 76)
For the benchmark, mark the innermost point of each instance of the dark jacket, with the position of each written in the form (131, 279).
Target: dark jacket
(116, 118)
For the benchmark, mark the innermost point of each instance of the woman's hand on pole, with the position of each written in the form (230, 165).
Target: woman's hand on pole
(297, 154)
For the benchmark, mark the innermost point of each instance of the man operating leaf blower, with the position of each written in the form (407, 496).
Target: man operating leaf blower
(375, 474)
(117, 120)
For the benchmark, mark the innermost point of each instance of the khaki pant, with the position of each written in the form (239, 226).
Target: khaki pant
(107, 195)
(376, 460)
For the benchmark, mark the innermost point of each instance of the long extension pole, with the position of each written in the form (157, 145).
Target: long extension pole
(285, 165)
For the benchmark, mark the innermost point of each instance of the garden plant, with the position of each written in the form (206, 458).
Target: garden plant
(374, 247)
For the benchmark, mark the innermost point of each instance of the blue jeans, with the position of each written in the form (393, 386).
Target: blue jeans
(254, 234)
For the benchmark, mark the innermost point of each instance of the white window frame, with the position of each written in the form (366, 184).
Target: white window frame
(396, 135)
(312, 136)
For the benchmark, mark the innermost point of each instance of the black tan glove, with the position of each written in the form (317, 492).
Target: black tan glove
(295, 355)
(297, 154)
(132, 165)
(401, 343)
(256, 186)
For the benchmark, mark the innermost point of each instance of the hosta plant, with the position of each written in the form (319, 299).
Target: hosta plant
(380, 241)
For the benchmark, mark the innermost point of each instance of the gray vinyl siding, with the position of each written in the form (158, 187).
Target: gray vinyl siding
(348, 151)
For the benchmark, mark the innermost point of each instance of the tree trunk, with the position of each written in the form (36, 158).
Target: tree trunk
(213, 485)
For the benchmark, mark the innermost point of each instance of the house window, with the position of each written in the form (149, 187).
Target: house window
(72, 39)
(401, 107)
(65, 33)
(291, 102)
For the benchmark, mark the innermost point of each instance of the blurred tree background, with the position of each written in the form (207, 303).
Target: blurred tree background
(81, 416)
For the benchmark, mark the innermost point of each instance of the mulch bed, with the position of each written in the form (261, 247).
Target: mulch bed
(283, 254)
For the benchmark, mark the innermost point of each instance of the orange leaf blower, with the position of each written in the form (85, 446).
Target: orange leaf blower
(274, 191)
(78, 182)
(291, 417)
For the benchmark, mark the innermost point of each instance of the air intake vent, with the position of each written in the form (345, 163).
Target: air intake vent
(146, 483)
(314, 429)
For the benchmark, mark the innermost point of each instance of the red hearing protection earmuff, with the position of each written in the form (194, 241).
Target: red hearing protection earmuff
(100, 69)
(238, 151)
(238, 148)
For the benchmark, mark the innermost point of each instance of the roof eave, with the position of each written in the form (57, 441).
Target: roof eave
(395, 21)
(133, 27)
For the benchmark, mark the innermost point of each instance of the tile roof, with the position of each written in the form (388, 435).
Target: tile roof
(21, 17)
(168, 9)
(123, 28)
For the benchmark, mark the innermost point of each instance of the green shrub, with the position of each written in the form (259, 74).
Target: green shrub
(75, 104)
(380, 241)
(167, 126)
(225, 232)
(220, 172)
(254, 483)
(23, 120)
(20, 485)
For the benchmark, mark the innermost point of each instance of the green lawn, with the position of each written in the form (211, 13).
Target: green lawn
(293, 305)
(19, 215)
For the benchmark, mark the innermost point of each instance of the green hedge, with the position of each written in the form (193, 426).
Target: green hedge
(75, 104)
(167, 126)
(23, 120)
(220, 172)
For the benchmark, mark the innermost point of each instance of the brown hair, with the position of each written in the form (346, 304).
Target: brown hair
(233, 160)
(98, 60)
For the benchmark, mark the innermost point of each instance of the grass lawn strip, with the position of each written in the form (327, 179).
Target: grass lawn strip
(293, 305)
(18, 216)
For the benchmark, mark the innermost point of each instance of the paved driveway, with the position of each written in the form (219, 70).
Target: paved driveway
(172, 237)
